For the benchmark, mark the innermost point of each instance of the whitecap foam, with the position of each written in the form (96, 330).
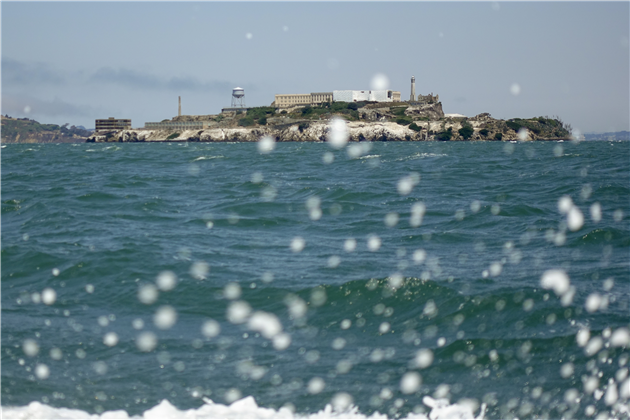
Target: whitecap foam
(245, 408)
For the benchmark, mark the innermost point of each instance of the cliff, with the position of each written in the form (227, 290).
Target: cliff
(373, 122)
(24, 130)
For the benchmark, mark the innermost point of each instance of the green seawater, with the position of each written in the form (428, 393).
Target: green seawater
(451, 241)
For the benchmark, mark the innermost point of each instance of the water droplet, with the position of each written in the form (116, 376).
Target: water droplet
(41, 371)
(379, 82)
(165, 317)
(266, 144)
(146, 341)
(49, 296)
(410, 382)
(337, 133)
(166, 280)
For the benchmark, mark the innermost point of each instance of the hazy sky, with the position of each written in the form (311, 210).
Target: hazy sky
(73, 62)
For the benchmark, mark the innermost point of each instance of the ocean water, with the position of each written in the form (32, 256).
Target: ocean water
(373, 279)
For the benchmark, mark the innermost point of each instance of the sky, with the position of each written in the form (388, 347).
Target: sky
(74, 62)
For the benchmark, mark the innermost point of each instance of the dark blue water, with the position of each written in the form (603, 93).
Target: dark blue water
(98, 223)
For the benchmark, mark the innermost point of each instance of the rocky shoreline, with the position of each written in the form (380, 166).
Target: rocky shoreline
(398, 122)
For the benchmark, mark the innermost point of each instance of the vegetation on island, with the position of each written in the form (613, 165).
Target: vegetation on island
(25, 130)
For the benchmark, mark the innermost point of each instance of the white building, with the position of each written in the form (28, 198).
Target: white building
(366, 95)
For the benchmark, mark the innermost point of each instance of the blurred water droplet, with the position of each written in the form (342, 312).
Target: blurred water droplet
(56, 353)
(379, 82)
(249, 35)
(137, 324)
(328, 158)
(210, 328)
(515, 89)
(596, 212)
(232, 395)
(281, 341)
(42, 371)
(316, 385)
(423, 359)
(341, 402)
(410, 382)
(266, 323)
(567, 370)
(166, 280)
(147, 294)
(55, 272)
(110, 339)
(334, 261)
(199, 270)
(407, 183)
(556, 280)
(266, 144)
(165, 317)
(391, 219)
(232, 291)
(620, 338)
(89, 288)
(337, 133)
(523, 134)
(146, 341)
(350, 245)
(297, 244)
(238, 312)
(30, 347)
(374, 243)
(49, 296)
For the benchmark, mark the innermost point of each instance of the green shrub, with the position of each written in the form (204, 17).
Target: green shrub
(338, 106)
(415, 127)
(246, 122)
(262, 121)
(307, 110)
(514, 125)
(260, 112)
(353, 106)
(404, 120)
(498, 136)
(466, 131)
(172, 136)
(400, 111)
(303, 126)
(484, 131)
(284, 111)
(445, 135)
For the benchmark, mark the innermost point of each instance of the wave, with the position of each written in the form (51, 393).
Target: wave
(247, 408)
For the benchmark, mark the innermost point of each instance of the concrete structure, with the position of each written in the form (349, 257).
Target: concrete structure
(427, 99)
(366, 95)
(177, 125)
(413, 89)
(238, 95)
(302, 99)
(112, 124)
(317, 98)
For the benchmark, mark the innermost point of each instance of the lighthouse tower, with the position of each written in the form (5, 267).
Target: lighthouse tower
(413, 89)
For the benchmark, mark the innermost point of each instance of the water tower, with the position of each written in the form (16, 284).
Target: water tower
(238, 95)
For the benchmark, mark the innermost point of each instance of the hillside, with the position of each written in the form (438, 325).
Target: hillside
(384, 121)
(24, 130)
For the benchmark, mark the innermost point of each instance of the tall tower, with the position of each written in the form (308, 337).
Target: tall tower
(238, 95)
(179, 111)
(413, 89)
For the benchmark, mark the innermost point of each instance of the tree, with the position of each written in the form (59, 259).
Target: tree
(466, 131)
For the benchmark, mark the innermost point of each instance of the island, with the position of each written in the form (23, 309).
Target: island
(366, 121)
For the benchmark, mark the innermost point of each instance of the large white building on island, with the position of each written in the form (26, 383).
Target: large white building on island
(317, 98)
